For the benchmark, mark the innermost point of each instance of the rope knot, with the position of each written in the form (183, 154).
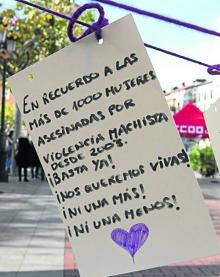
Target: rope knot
(214, 69)
(95, 27)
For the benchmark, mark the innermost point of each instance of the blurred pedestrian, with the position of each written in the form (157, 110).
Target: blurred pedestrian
(10, 145)
(35, 162)
(22, 157)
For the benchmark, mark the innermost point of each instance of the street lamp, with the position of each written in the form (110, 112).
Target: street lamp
(22, 58)
(11, 46)
(2, 36)
(7, 48)
(8, 55)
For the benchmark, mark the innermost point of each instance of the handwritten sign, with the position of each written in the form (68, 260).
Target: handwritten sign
(112, 155)
(212, 122)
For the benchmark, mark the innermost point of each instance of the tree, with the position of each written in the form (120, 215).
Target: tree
(203, 161)
(24, 22)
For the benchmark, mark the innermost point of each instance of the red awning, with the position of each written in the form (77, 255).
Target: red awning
(190, 122)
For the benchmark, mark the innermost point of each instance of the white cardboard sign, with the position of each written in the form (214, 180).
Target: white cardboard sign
(112, 155)
(212, 116)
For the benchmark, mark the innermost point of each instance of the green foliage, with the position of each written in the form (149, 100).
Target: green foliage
(203, 160)
(24, 22)
(9, 116)
(195, 158)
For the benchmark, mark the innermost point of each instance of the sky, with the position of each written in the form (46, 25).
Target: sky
(171, 71)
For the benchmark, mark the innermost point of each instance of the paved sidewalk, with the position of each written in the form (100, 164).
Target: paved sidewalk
(33, 243)
(31, 232)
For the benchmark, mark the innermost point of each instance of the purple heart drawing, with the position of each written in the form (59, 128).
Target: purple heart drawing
(133, 240)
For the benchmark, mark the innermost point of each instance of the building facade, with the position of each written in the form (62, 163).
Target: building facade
(201, 92)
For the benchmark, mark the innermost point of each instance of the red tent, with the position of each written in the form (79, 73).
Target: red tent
(190, 122)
